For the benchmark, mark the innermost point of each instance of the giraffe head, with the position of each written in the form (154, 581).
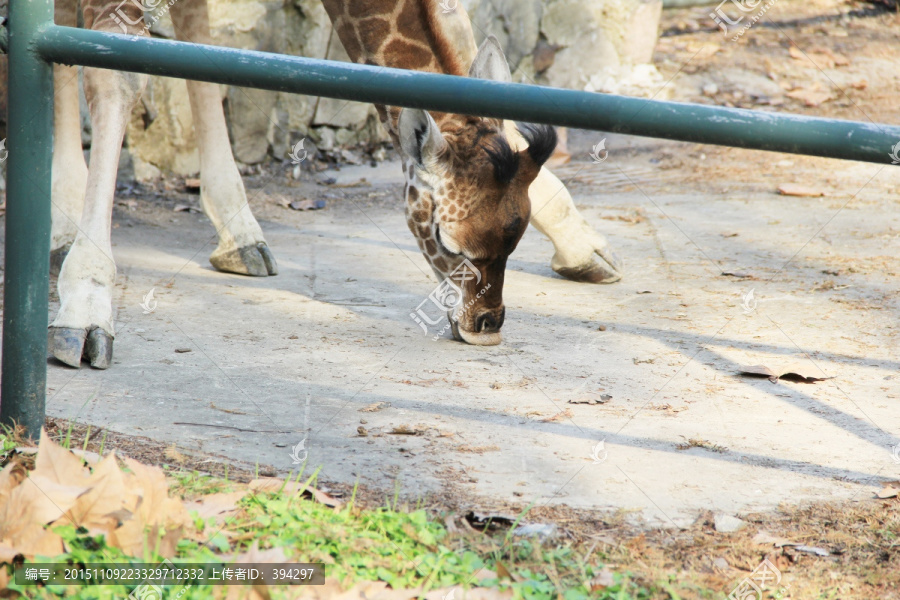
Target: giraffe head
(467, 201)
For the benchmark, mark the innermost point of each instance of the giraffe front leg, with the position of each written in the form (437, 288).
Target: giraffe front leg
(83, 328)
(242, 248)
(582, 254)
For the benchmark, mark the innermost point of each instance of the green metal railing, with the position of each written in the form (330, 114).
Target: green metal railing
(35, 42)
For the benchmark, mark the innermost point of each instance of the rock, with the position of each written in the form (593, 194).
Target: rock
(599, 45)
(324, 138)
(642, 32)
(516, 23)
(728, 524)
(641, 81)
(540, 530)
(599, 39)
(249, 119)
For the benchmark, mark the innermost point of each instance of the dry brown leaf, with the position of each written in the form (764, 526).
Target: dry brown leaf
(37, 500)
(476, 449)
(272, 484)
(796, 371)
(58, 464)
(565, 414)
(156, 507)
(134, 536)
(153, 512)
(375, 407)
(131, 509)
(172, 453)
(12, 475)
(888, 491)
(35, 540)
(797, 189)
(504, 573)
(821, 57)
(86, 455)
(34, 503)
(106, 495)
(812, 97)
(216, 504)
(406, 430)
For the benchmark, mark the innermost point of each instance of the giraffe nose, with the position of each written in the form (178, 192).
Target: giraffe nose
(490, 321)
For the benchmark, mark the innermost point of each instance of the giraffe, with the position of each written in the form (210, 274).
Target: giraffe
(472, 184)
(456, 210)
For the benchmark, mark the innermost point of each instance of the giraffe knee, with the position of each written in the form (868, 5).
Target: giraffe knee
(119, 87)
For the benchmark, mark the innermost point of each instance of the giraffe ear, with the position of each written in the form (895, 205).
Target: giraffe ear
(490, 62)
(420, 138)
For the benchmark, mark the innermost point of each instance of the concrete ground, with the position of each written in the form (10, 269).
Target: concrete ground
(248, 368)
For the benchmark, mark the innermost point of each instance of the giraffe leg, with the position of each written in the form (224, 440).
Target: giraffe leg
(83, 328)
(582, 254)
(69, 171)
(242, 247)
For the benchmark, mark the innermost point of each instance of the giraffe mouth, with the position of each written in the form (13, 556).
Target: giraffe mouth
(476, 339)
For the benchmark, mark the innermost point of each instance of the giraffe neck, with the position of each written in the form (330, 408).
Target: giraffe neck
(404, 34)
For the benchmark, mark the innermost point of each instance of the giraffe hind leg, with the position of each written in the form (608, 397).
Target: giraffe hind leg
(242, 248)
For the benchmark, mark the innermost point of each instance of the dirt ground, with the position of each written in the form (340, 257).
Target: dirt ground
(621, 399)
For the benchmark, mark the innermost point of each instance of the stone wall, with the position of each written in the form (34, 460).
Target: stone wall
(580, 44)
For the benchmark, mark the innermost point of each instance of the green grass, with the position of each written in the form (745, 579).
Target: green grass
(405, 548)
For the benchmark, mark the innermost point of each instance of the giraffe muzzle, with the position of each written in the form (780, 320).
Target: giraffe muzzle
(487, 329)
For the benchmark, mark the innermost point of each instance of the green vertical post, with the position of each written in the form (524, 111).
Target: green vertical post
(26, 277)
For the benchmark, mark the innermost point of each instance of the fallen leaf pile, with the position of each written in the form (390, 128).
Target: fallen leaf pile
(820, 58)
(131, 509)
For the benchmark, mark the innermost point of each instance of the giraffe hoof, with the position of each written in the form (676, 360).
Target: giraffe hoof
(256, 260)
(70, 346)
(57, 257)
(66, 344)
(606, 270)
(99, 348)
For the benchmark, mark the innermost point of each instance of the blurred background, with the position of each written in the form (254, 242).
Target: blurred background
(595, 45)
